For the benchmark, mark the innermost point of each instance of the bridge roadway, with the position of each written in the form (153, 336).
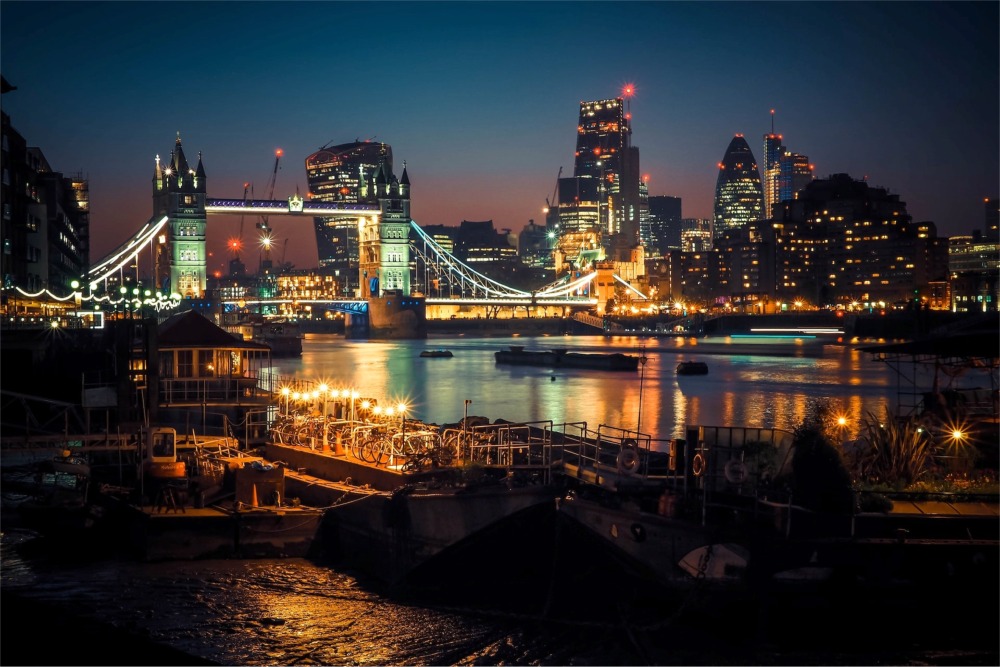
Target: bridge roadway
(361, 305)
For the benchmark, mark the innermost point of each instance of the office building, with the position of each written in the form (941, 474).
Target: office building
(664, 226)
(601, 206)
(339, 174)
(794, 174)
(739, 197)
(785, 173)
(992, 209)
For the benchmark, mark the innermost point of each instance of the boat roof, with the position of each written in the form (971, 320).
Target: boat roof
(192, 329)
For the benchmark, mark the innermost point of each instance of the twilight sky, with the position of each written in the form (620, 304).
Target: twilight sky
(481, 98)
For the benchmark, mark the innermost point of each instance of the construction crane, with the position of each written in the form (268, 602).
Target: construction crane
(236, 266)
(550, 205)
(555, 193)
(262, 225)
(236, 244)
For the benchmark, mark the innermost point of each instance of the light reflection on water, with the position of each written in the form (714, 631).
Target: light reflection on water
(766, 386)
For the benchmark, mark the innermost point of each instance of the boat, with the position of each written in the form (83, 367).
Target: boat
(437, 354)
(701, 514)
(208, 500)
(392, 516)
(692, 368)
(517, 355)
(52, 496)
(282, 335)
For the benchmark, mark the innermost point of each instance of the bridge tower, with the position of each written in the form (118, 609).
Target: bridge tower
(384, 260)
(179, 194)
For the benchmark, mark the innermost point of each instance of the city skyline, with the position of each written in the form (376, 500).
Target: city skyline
(480, 99)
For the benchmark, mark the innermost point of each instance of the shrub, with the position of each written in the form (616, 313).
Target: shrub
(899, 452)
(819, 480)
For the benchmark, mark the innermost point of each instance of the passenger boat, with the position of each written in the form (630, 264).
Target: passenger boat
(517, 355)
(437, 353)
(692, 368)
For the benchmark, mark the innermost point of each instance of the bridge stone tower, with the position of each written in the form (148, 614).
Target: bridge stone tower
(179, 194)
(384, 263)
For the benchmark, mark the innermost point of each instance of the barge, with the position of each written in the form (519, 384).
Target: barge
(517, 355)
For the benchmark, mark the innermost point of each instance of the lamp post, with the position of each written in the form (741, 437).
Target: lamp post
(465, 431)
(642, 372)
(325, 391)
(285, 391)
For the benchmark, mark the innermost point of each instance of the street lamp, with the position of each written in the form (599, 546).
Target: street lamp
(465, 431)
(325, 391)
(285, 391)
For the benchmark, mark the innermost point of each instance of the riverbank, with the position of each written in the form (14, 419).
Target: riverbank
(40, 633)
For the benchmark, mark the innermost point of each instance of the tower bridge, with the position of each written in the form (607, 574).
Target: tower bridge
(388, 241)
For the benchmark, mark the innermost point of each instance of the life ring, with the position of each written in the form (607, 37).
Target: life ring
(638, 532)
(698, 465)
(736, 471)
(628, 458)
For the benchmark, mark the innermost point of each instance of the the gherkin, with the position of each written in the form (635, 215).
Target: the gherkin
(739, 195)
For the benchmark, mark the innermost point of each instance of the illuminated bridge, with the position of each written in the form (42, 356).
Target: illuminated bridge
(395, 252)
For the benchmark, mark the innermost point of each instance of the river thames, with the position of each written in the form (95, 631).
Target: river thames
(750, 383)
(307, 611)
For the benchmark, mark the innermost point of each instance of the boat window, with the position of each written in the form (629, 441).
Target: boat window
(167, 364)
(206, 367)
(185, 363)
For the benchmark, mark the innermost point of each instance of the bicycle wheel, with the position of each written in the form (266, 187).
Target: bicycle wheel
(444, 457)
(368, 451)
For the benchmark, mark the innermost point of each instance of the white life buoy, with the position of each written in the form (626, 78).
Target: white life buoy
(736, 471)
(628, 457)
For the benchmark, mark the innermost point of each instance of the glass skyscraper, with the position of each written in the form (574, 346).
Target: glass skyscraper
(739, 197)
(339, 174)
(785, 173)
(602, 203)
(773, 152)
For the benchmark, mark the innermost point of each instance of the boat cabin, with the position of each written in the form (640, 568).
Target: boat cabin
(197, 362)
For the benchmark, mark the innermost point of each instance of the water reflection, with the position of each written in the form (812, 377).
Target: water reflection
(749, 384)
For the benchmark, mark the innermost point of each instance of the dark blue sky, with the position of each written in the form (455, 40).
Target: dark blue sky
(481, 99)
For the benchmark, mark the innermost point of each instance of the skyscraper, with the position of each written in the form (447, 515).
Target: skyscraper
(785, 173)
(773, 151)
(601, 205)
(339, 174)
(795, 173)
(739, 197)
(664, 225)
